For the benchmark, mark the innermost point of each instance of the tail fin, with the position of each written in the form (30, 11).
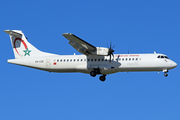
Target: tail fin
(21, 47)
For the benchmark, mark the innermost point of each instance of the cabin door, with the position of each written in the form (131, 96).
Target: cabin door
(48, 63)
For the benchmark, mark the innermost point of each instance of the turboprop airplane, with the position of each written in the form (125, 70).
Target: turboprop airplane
(94, 61)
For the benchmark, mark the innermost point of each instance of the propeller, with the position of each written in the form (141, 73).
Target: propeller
(110, 52)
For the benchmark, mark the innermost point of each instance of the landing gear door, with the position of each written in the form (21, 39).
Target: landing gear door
(48, 63)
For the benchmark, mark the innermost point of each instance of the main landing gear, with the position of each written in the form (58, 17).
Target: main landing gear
(97, 71)
(93, 73)
(102, 78)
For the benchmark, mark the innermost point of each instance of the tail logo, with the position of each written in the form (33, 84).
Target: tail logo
(26, 51)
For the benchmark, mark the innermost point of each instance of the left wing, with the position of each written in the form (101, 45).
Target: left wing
(79, 44)
(84, 47)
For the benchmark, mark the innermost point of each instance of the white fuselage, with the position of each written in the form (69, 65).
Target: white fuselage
(85, 64)
(94, 61)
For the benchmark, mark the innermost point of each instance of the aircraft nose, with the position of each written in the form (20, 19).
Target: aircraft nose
(174, 64)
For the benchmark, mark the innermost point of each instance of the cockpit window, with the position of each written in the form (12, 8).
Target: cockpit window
(161, 56)
(166, 57)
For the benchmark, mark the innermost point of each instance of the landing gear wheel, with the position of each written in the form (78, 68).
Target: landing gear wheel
(102, 78)
(165, 74)
(93, 73)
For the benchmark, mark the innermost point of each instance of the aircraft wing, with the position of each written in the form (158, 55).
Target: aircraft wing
(79, 44)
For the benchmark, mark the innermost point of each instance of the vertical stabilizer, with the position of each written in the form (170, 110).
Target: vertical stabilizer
(21, 47)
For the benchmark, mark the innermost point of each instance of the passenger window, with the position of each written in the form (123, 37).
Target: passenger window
(64, 60)
(77, 60)
(133, 59)
(98, 59)
(119, 59)
(91, 59)
(81, 60)
(126, 59)
(123, 59)
(58, 60)
(102, 59)
(88, 59)
(129, 59)
(84, 60)
(70, 60)
(136, 59)
(94, 59)
(74, 60)
(158, 56)
(67, 60)
(105, 59)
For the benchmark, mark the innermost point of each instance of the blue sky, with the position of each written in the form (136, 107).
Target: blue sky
(140, 26)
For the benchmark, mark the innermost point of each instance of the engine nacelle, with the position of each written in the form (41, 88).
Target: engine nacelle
(101, 51)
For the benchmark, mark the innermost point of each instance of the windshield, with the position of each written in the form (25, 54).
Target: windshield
(166, 57)
(162, 56)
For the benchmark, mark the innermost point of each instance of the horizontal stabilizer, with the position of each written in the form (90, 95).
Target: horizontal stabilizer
(13, 33)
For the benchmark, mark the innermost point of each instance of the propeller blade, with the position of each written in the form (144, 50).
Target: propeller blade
(107, 45)
(113, 46)
(110, 59)
(110, 52)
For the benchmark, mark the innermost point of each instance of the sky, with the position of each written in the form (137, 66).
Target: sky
(137, 26)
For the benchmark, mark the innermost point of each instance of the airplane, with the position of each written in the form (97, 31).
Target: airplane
(94, 60)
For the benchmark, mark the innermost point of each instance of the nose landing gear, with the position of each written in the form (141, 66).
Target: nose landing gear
(165, 73)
